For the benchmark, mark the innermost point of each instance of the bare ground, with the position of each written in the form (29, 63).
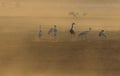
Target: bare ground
(23, 54)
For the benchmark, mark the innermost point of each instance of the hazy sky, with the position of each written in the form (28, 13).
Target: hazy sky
(59, 8)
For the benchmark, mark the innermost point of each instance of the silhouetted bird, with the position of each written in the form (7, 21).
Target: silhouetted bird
(40, 32)
(72, 30)
(84, 32)
(53, 30)
(102, 33)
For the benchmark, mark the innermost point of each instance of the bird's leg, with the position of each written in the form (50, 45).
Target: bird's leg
(78, 38)
(40, 37)
(50, 37)
(82, 37)
(55, 36)
(73, 37)
(104, 35)
(85, 37)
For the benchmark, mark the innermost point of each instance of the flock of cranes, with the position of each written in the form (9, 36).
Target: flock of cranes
(53, 31)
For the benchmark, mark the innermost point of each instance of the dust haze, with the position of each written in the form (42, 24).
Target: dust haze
(23, 53)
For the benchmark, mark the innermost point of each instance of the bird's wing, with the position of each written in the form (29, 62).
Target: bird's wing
(83, 32)
(39, 30)
(51, 30)
(55, 30)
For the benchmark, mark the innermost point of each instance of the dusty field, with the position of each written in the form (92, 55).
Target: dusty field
(23, 54)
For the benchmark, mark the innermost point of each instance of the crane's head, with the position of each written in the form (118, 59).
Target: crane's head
(40, 26)
(73, 23)
(102, 30)
(90, 29)
(55, 26)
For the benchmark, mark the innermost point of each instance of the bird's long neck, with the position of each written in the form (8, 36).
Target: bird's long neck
(72, 25)
(89, 29)
(40, 28)
(54, 27)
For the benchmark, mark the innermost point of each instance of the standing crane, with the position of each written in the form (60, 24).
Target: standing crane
(40, 32)
(53, 31)
(72, 30)
(84, 32)
(102, 33)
